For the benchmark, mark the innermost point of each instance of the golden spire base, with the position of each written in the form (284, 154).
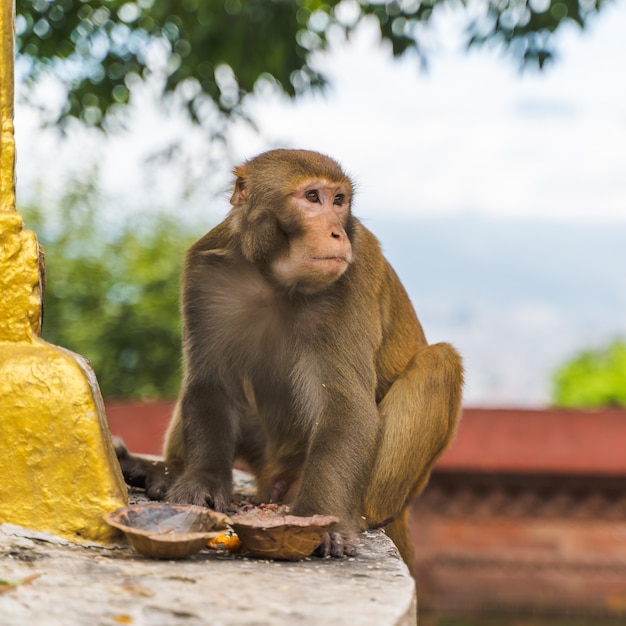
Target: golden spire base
(58, 468)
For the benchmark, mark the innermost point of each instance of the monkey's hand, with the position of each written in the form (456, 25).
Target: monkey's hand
(201, 489)
(341, 539)
(336, 545)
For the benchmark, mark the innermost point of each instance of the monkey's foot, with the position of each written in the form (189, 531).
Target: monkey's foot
(154, 476)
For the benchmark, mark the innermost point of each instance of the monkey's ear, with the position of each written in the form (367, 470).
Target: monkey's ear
(240, 192)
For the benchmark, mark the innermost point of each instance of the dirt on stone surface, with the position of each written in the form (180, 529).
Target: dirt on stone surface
(47, 581)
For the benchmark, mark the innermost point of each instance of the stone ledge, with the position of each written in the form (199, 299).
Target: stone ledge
(92, 584)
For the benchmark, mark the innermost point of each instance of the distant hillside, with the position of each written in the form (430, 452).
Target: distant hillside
(517, 297)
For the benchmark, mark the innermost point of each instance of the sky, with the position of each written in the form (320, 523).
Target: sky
(472, 134)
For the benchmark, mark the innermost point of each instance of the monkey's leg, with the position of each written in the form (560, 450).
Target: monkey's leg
(278, 481)
(420, 413)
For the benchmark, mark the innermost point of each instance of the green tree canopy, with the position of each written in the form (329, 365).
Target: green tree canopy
(112, 290)
(594, 378)
(216, 51)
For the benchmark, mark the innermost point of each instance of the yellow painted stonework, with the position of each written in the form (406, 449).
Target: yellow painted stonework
(7, 142)
(58, 471)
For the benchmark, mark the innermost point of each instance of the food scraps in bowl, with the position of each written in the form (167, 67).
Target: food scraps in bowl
(167, 531)
(284, 537)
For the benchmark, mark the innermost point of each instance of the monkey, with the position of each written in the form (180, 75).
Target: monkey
(304, 358)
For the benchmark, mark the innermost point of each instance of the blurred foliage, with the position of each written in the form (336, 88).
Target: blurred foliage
(112, 292)
(215, 51)
(594, 378)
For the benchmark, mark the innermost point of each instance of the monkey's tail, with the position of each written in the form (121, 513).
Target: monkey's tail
(385, 522)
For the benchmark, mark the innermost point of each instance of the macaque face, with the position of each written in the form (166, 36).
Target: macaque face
(319, 251)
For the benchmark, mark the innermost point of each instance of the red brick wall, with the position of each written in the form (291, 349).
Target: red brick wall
(141, 425)
(515, 440)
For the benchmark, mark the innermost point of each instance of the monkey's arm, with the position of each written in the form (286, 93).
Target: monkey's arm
(340, 458)
(205, 432)
(208, 429)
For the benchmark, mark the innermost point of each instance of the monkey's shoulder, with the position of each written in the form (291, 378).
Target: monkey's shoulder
(370, 263)
(219, 238)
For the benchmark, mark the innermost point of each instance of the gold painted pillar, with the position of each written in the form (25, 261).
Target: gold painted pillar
(58, 471)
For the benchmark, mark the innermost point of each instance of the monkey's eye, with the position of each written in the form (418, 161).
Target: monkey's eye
(339, 198)
(312, 195)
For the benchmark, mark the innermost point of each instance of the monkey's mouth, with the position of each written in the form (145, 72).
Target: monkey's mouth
(330, 259)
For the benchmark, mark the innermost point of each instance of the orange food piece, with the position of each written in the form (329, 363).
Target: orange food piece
(228, 541)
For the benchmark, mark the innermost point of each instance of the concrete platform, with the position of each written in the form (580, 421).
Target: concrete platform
(66, 584)
(95, 585)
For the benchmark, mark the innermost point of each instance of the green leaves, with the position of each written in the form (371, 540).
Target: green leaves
(595, 378)
(112, 292)
(525, 28)
(99, 49)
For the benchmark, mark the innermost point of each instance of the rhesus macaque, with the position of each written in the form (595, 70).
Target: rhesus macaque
(303, 357)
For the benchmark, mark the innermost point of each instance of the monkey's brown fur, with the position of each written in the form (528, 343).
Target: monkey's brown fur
(303, 357)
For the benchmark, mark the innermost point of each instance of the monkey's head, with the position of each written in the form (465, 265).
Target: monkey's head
(292, 212)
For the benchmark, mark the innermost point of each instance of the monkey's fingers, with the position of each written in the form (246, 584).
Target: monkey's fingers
(156, 487)
(200, 492)
(336, 545)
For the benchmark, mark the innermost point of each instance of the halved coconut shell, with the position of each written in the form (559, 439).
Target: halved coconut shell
(286, 537)
(167, 531)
